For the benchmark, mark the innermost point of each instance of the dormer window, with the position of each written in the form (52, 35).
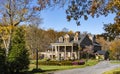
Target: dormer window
(61, 39)
(66, 38)
(76, 38)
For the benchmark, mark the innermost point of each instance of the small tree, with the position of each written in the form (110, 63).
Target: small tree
(18, 56)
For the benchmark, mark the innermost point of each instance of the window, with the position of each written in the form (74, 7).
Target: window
(76, 38)
(61, 39)
(66, 38)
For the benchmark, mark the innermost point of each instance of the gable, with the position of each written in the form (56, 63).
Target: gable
(86, 41)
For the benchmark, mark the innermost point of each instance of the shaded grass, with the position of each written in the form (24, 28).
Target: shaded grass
(114, 71)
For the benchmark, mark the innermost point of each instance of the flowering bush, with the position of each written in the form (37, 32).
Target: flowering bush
(55, 63)
(81, 62)
(75, 63)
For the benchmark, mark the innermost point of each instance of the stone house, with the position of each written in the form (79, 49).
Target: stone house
(69, 47)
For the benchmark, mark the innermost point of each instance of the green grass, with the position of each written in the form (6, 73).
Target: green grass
(46, 68)
(54, 68)
(114, 71)
(115, 62)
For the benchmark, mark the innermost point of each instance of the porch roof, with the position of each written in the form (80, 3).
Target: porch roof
(62, 44)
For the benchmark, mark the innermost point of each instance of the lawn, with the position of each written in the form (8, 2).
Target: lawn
(115, 62)
(46, 68)
(114, 71)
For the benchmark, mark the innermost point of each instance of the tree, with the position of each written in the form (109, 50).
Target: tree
(13, 13)
(112, 30)
(52, 35)
(5, 37)
(70, 32)
(79, 8)
(18, 57)
(83, 8)
(35, 39)
(2, 61)
(61, 33)
(104, 43)
(115, 49)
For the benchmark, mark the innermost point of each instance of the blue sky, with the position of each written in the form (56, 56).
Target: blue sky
(56, 19)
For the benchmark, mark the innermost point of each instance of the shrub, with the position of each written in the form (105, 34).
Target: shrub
(81, 62)
(66, 62)
(55, 63)
(2, 61)
(75, 63)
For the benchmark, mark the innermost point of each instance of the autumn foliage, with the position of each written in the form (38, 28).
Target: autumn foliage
(115, 49)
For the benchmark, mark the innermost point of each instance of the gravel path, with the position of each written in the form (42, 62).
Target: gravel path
(97, 69)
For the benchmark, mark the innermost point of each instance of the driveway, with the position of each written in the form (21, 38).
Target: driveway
(97, 69)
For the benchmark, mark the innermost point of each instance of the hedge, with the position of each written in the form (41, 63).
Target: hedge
(61, 62)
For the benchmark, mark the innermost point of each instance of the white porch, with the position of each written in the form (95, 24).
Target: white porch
(63, 51)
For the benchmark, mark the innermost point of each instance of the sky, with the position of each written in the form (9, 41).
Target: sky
(56, 19)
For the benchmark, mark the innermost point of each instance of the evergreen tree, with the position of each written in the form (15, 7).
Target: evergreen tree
(18, 58)
(2, 61)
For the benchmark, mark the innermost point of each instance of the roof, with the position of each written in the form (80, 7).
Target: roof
(80, 39)
(96, 44)
(101, 52)
(62, 44)
(83, 40)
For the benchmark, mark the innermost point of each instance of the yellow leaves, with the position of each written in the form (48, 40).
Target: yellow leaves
(115, 3)
(114, 46)
(103, 42)
(5, 31)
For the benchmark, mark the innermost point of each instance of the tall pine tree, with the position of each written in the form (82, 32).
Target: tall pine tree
(18, 58)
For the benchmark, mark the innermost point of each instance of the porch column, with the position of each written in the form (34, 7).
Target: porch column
(65, 52)
(56, 52)
(52, 52)
(78, 56)
(72, 52)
